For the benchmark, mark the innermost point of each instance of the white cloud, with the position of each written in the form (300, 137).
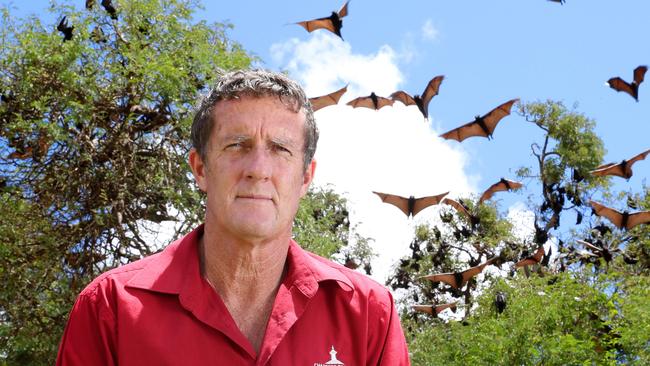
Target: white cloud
(392, 150)
(429, 32)
(523, 220)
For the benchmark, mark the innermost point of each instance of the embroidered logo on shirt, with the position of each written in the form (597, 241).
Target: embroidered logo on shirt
(332, 361)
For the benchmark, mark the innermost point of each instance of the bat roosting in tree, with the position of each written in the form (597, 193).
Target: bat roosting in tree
(632, 88)
(410, 206)
(422, 102)
(327, 100)
(110, 9)
(434, 309)
(533, 259)
(622, 220)
(65, 29)
(482, 125)
(622, 169)
(332, 23)
(458, 279)
(372, 101)
(502, 185)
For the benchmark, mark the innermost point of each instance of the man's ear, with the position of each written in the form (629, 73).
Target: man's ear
(308, 177)
(198, 169)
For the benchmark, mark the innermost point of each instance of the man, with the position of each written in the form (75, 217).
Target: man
(238, 290)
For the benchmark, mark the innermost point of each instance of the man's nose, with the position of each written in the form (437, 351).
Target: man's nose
(258, 164)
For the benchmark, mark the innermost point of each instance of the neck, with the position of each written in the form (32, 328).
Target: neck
(243, 269)
(246, 277)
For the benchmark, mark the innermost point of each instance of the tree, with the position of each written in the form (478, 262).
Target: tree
(581, 308)
(94, 134)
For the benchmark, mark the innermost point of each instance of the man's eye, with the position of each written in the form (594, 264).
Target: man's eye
(234, 145)
(282, 149)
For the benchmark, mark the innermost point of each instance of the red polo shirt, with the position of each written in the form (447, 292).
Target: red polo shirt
(160, 311)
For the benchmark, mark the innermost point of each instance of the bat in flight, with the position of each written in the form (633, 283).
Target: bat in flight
(327, 100)
(622, 169)
(502, 185)
(65, 29)
(458, 279)
(422, 102)
(482, 125)
(622, 220)
(434, 309)
(372, 101)
(410, 206)
(632, 88)
(561, 2)
(533, 259)
(461, 208)
(332, 23)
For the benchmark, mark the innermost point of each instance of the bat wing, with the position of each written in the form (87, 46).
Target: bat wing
(424, 202)
(427, 309)
(327, 100)
(590, 246)
(448, 278)
(400, 202)
(368, 103)
(344, 10)
(455, 204)
(638, 157)
(639, 74)
(473, 271)
(404, 97)
(365, 102)
(465, 131)
(383, 102)
(533, 259)
(620, 85)
(493, 117)
(320, 23)
(609, 169)
(638, 218)
(496, 187)
(431, 91)
(612, 215)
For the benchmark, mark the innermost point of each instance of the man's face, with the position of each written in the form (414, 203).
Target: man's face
(253, 174)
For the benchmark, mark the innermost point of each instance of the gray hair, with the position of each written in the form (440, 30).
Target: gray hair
(255, 83)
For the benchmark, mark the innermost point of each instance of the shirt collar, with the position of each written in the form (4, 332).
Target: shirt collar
(170, 270)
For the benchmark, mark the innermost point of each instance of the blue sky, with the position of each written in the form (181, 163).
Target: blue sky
(489, 51)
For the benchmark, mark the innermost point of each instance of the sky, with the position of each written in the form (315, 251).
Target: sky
(488, 51)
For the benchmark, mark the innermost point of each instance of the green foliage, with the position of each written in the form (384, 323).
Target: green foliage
(561, 320)
(322, 226)
(94, 134)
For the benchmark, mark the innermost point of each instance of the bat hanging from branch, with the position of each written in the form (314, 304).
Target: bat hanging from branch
(482, 125)
(65, 29)
(458, 279)
(327, 100)
(332, 23)
(502, 185)
(372, 101)
(435, 309)
(622, 169)
(410, 206)
(622, 220)
(632, 88)
(422, 102)
(110, 9)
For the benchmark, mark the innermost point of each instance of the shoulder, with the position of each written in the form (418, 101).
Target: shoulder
(361, 284)
(116, 278)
